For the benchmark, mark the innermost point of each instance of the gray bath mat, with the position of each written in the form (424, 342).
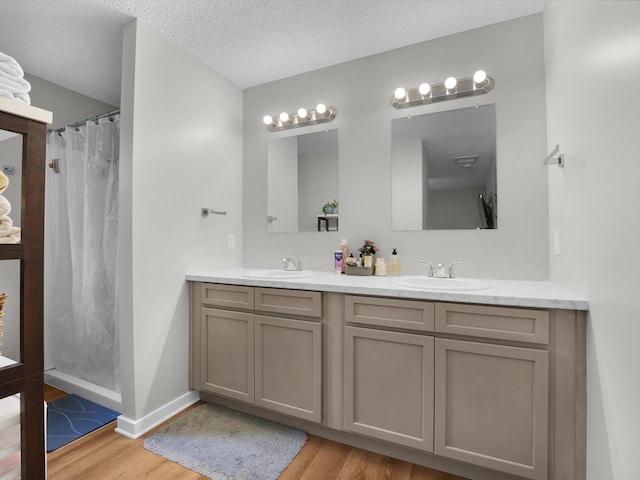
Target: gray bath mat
(225, 444)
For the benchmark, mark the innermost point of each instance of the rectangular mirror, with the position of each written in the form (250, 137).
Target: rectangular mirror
(443, 170)
(302, 176)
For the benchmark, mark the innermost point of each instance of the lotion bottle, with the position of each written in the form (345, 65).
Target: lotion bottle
(394, 263)
(345, 253)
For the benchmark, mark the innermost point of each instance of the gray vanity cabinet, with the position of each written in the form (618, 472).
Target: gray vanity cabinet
(491, 406)
(269, 360)
(388, 375)
(227, 359)
(494, 388)
(484, 387)
(288, 364)
(388, 386)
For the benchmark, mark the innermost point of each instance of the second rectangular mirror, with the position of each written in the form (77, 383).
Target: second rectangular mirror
(302, 176)
(443, 170)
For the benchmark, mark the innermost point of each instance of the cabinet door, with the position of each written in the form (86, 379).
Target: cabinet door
(227, 353)
(492, 406)
(289, 366)
(388, 386)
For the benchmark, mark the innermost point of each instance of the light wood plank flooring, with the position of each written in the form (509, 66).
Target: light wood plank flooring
(105, 455)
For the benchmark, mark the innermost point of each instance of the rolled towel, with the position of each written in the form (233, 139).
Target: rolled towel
(23, 97)
(11, 235)
(6, 226)
(15, 86)
(8, 71)
(11, 63)
(5, 206)
(13, 238)
(7, 94)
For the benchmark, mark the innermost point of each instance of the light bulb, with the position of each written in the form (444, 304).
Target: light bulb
(450, 83)
(302, 113)
(284, 117)
(321, 108)
(267, 119)
(424, 89)
(479, 77)
(400, 93)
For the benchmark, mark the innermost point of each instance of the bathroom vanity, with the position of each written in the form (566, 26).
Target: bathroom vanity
(485, 384)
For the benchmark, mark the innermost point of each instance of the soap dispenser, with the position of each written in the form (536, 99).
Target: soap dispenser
(394, 263)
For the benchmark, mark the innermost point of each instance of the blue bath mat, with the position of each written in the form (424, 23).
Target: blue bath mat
(71, 417)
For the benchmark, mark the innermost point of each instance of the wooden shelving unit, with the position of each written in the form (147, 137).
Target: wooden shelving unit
(26, 377)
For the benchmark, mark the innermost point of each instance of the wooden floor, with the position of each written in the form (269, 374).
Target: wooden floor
(107, 455)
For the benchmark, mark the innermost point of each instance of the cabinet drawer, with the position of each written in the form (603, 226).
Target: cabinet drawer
(292, 302)
(232, 296)
(501, 323)
(408, 314)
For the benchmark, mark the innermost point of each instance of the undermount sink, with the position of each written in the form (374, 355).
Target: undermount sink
(433, 283)
(277, 274)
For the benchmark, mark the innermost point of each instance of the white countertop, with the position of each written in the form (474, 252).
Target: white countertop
(517, 293)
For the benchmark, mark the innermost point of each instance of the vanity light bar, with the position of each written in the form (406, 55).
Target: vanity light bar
(301, 118)
(451, 88)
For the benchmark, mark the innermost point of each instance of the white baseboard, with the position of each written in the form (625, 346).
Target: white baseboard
(95, 393)
(136, 428)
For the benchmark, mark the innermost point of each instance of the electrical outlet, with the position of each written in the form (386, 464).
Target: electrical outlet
(231, 242)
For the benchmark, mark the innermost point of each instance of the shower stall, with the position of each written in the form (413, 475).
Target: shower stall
(81, 223)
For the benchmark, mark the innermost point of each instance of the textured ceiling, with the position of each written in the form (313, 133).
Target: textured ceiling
(78, 43)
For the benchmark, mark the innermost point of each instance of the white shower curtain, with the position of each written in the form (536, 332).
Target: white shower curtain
(81, 222)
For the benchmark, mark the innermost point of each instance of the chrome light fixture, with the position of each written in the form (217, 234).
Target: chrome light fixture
(303, 117)
(451, 88)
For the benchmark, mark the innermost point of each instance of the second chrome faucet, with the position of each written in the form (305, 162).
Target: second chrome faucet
(290, 265)
(440, 271)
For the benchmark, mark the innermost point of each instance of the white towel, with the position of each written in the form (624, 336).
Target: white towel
(6, 94)
(10, 63)
(5, 207)
(8, 71)
(22, 97)
(15, 86)
(8, 233)
(12, 82)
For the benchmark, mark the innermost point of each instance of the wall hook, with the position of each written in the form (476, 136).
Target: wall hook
(555, 158)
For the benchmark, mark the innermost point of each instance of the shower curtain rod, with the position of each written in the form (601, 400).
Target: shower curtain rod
(92, 119)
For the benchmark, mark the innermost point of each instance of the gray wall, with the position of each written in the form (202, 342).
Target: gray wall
(67, 106)
(181, 149)
(592, 62)
(512, 53)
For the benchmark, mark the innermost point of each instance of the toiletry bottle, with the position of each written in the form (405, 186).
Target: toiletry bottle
(338, 261)
(345, 253)
(381, 267)
(394, 263)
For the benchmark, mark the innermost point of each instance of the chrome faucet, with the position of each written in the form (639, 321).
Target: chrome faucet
(440, 271)
(430, 269)
(290, 265)
(451, 272)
